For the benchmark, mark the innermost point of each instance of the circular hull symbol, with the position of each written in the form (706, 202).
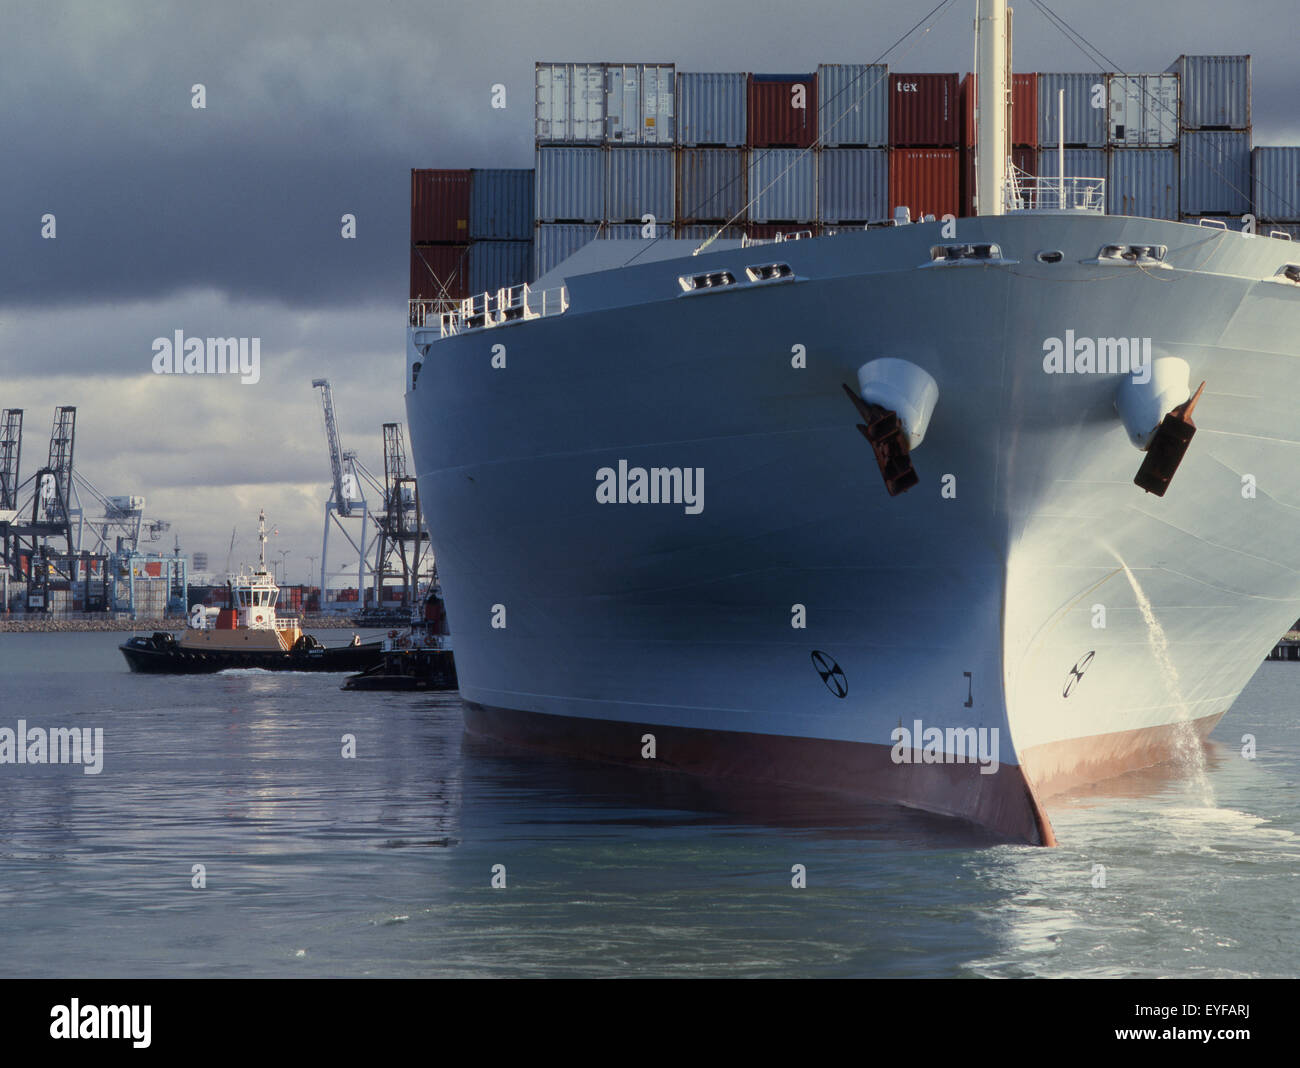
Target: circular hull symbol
(830, 673)
(1076, 673)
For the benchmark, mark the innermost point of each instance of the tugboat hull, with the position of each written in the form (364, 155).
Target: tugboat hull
(162, 654)
(408, 669)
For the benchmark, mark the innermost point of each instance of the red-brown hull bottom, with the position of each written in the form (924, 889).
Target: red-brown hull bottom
(1056, 767)
(1003, 801)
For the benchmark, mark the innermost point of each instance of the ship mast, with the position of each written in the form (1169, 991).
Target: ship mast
(261, 536)
(993, 58)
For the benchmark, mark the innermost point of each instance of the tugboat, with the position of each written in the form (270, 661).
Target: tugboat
(419, 658)
(246, 635)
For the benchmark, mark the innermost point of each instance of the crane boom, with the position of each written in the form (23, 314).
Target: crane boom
(341, 500)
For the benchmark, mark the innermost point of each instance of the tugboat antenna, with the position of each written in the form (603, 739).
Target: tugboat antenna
(261, 535)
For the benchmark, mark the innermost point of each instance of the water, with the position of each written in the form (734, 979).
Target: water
(381, 865)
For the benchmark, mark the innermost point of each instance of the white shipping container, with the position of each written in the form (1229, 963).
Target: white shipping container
(640, 103)
(570, 103)
(1143, 110)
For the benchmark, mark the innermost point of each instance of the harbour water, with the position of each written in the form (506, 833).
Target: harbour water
(382, 864)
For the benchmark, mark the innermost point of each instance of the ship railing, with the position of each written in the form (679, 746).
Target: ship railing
(424, 312)
(788, 235)
(1056, 194)
(482, 310)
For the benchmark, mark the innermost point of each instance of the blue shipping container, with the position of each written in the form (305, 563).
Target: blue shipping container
(1215, 172)
(1086, 109)
(641, 182)
(570, 184)
(1276, 174)
(853, 99)
(501, 205)
(854, 184)
(712, 109)
(783, 185)
(1216, 91)
(1143, 182)
(712, 183)
(497, 265)
(1079, 163)
(554, 242)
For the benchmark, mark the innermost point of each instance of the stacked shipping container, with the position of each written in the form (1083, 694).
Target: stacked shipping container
(924, 138)
(1142, 128)
(853, 118)
(470, 231)
(605, 157)
(1214, 135)
(1276, 175)
(500, 229)
(850, 143)
(439, 234)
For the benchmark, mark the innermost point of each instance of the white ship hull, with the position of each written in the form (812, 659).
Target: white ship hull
(978, 609)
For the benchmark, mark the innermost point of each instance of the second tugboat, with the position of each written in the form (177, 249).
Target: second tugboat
(418, 658)
(246, 635)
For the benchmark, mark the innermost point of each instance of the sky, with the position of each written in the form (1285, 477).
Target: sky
(226, 221)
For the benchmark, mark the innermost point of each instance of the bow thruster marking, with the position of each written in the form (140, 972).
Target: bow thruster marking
(830, 673)
(1076, 673)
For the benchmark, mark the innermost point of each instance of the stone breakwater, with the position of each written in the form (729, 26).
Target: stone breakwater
(57, 624)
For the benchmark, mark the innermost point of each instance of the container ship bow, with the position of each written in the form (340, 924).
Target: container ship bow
(912, 512)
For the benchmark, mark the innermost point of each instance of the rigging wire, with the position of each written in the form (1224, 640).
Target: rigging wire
(932, 17)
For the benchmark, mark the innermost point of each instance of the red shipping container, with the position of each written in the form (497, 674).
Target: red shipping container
(439, 271)
(925, 180)
(780, 116)
(153, 569)
(439, 206)
(1024, 109)
(923, 110)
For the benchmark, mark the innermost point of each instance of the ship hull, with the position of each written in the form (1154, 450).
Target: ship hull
(162, 655)
(1025, 587)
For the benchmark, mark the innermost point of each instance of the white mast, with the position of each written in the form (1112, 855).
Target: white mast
(992, 47)
(261, 536)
